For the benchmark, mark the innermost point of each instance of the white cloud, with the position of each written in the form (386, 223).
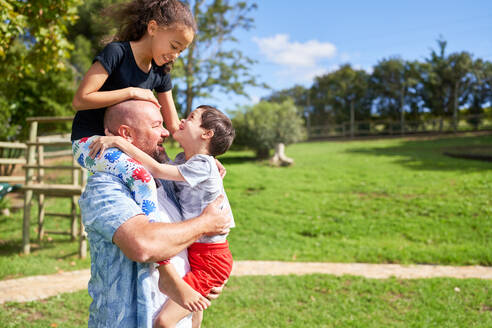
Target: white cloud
(280, 50)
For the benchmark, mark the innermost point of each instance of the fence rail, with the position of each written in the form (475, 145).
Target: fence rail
(388, 127)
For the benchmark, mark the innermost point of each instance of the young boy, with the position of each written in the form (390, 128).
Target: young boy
(205, 134)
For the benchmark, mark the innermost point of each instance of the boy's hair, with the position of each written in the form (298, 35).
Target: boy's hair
(133, 17)
(213, 119)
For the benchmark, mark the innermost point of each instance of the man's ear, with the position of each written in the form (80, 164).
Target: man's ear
(208, 134)
(126, 132)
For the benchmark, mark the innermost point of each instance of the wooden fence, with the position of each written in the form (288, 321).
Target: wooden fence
(388, 127)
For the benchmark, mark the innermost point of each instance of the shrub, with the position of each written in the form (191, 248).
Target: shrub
(264, 125)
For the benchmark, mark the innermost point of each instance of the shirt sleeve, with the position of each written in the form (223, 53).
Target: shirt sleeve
(111, 56)
(165, 83)
(106, 204)
(197, 169)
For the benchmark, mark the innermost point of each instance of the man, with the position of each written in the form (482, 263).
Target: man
(123, 242)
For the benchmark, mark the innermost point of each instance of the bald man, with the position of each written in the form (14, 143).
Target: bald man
(124, 244)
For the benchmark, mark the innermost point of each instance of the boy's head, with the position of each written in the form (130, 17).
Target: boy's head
(223, 132)
(205, 129)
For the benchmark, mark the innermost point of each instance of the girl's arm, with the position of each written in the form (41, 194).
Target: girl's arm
(158, 170)
(168, 111)
(88, 95)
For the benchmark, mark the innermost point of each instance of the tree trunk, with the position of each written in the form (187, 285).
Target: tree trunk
(352, 118)
(189, 80)
(402, 111)
(279, 159)
(455, 107)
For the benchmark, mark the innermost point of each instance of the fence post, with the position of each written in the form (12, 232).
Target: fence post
(31, 153)
(42, 205)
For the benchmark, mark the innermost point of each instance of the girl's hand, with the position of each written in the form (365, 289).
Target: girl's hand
(99, 145)
(144, 94)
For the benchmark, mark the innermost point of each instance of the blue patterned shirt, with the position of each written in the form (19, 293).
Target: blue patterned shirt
(124, 293)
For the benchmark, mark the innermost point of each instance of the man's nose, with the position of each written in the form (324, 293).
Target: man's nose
(164, 133)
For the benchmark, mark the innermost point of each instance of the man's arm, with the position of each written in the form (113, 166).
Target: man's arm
(144, 241)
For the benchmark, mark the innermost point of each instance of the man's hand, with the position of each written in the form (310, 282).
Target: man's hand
(215, 292)
(222, 170)
(217, 217)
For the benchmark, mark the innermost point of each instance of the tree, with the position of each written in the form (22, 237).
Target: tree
(209, 64)
(41, 26)
(298, 93)
(480, 90)
(341, 95)
(89, 33)
(393, 81)
(36, 78)
(436, 93)
(459, 76)
(446, 79)
(266, 125)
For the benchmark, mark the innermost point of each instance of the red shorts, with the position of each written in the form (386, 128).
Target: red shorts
(211, 266)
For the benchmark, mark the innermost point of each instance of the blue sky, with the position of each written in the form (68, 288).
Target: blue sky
(293, 41)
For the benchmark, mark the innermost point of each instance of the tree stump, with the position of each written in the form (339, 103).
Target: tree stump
(279, 159)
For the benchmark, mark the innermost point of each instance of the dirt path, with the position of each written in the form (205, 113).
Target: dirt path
(40, 287)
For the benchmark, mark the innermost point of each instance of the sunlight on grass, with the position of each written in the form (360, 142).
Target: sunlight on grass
(383, 201)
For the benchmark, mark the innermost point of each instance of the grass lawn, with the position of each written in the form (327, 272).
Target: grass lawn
(385, 201)
(305, 301)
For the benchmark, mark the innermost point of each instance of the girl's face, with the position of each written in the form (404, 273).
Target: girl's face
(168, 43)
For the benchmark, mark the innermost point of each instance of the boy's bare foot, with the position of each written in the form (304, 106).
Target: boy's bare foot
(180, 292)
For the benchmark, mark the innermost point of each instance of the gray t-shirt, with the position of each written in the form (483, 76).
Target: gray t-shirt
(202, 185)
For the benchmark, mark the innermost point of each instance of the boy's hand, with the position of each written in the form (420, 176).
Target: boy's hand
(218, 217)
(99, 145)
(222, 170)
(144, 94)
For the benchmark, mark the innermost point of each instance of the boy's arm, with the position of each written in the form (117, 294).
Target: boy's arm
(168, 111)
(158, 170)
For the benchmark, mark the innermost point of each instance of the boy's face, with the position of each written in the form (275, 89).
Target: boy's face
(190, 130)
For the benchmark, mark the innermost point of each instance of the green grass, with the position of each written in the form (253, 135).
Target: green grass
(385, 201)
(304, 301)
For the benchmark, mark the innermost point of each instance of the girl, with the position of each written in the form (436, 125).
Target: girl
(152, 34)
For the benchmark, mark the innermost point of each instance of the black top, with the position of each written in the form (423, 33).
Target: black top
(117, 59)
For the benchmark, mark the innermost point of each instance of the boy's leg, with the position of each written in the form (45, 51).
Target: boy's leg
(114, 161)
(171, 284)
(171, 313)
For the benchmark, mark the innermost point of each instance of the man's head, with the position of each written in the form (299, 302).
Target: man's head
(207, 125)
(139, 122)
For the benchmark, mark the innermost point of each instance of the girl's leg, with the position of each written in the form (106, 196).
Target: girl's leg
(114, 161)
(171, 313)
(171, 284)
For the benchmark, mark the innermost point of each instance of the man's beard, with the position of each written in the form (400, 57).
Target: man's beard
(160, 156)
